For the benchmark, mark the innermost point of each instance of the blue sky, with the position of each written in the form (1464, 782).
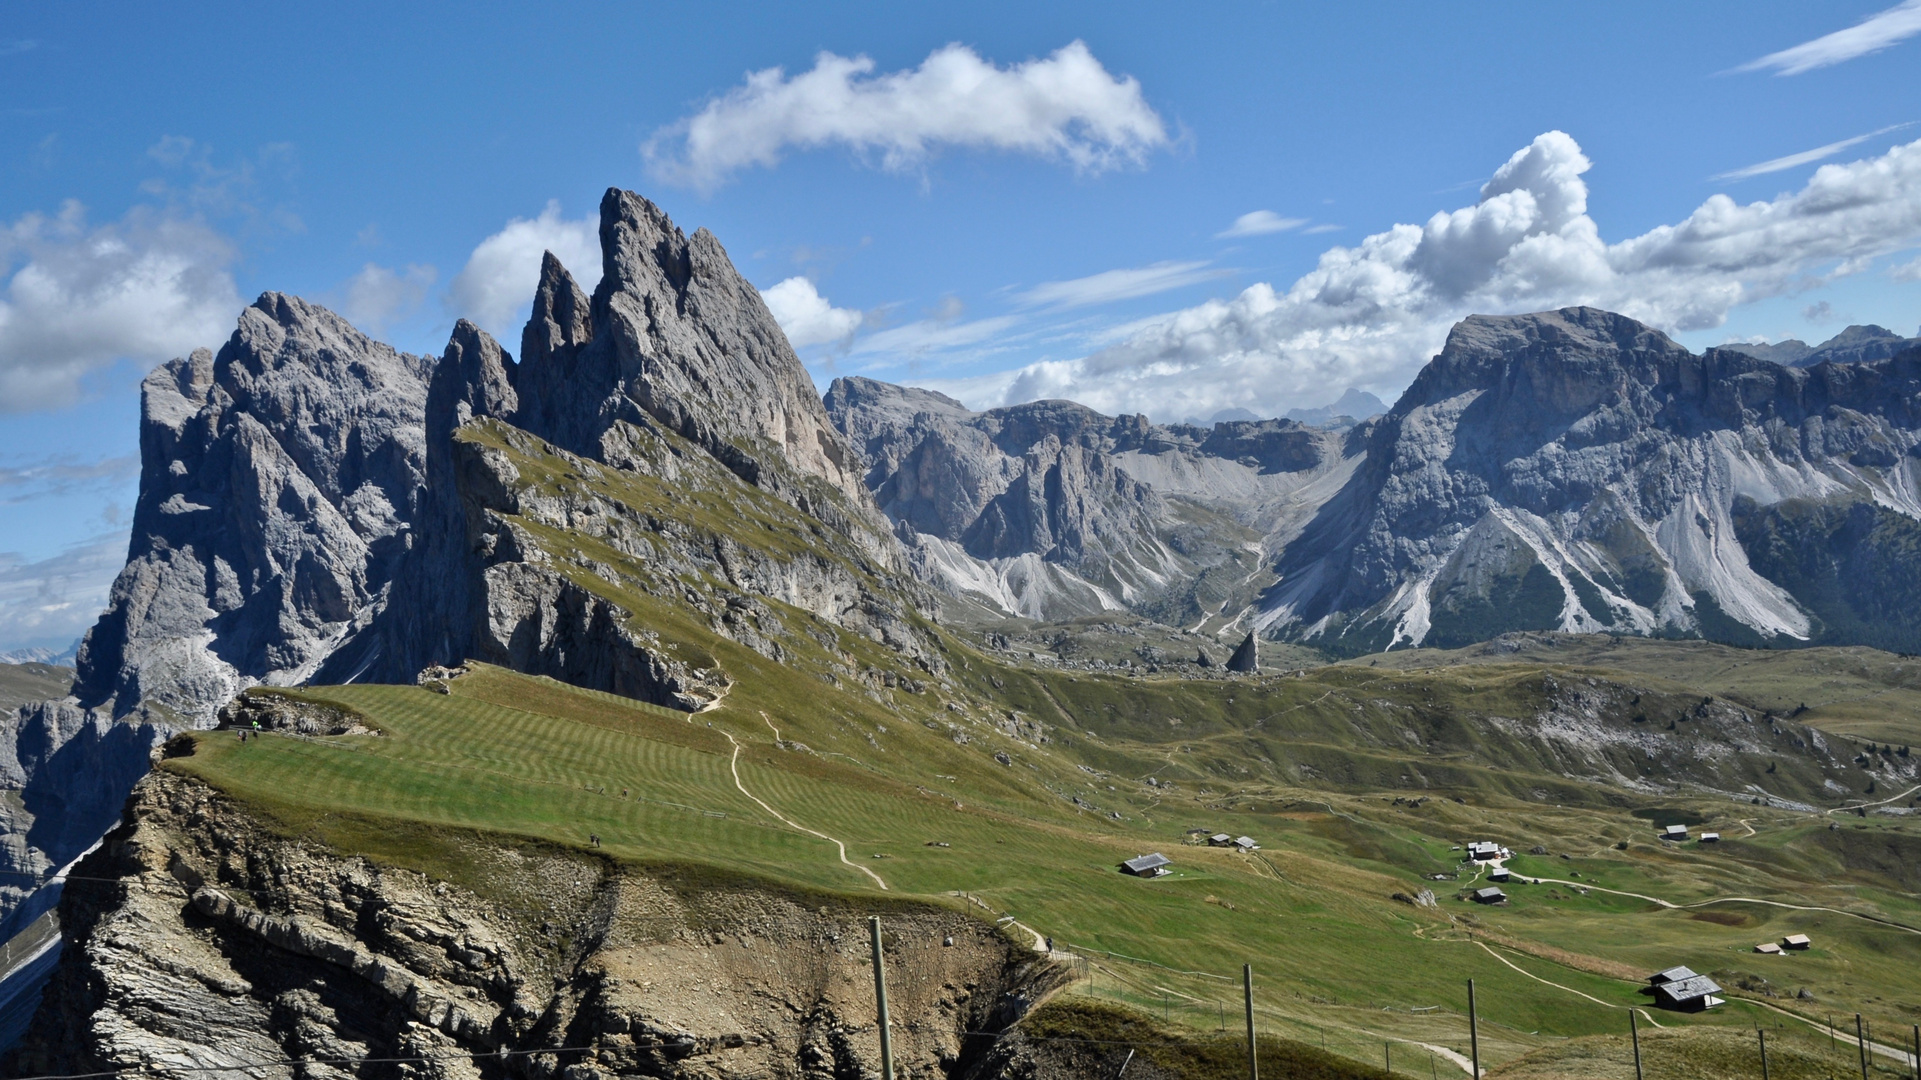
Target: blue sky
(1005, 202)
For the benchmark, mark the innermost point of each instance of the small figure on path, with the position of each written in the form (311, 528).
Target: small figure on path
(595, 838)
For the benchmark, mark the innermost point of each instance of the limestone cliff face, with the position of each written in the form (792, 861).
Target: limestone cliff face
(1052, 510)
(214, 943)
(279, 480)
(1577, 470)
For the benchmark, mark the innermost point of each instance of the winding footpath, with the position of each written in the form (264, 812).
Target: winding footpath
(733, 766)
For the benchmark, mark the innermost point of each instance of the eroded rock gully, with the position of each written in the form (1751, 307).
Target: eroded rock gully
(218, 943)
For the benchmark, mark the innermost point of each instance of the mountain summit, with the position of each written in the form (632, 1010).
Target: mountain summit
(317, 506)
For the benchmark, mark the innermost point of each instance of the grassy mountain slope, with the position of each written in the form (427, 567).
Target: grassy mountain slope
(1022, 785)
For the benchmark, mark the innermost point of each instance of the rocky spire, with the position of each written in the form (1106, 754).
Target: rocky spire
(675, 336)
(1246, 658)
(561, 317)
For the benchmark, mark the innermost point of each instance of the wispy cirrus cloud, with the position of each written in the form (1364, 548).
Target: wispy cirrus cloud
(1064, 107)
(63, 475)
(1111, 285)
(1805, 157)
(1879, 31)
(50, 602)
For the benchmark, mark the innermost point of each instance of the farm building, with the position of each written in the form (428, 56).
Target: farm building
(1490, 895)
(1153, 865)
(1768, 948)
(1795, 941)
(1499, 873)
(1679, 988)
(1219, 839)
(1245, 844)
(1675, 832)
(1710, 838)
(1485, 851)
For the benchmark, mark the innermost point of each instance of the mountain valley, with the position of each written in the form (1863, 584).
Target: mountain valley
(567, 715)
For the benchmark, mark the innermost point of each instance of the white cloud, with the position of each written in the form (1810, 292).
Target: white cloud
(1064, 107)
(496, 287)
(806, 317)
(1316, 230)
(1369, 315)
(1870, 35)
(1805, 157)
(1259, 223)
(80, 297)
(53, 601)
(380, 296)
(1907, 271)
(1111, 285)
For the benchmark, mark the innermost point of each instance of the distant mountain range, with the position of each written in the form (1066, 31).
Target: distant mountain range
(1851, 346)
(1570, 470)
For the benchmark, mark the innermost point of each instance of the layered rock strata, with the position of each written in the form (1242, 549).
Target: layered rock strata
(213, 943)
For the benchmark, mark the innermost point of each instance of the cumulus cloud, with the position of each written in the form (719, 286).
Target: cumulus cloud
(1259, 223)
(806, 317)
(1369, 315)
(496, 287)
(1805, 157)
(79, 297)
(50, 602)
(1872, 34)
(379, 296)
(1064, 107)
(1111, 285)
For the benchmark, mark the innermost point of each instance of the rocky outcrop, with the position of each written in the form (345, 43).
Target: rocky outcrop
(214, 943)
(1577, 470)
(1247, 656)
(1051, 510)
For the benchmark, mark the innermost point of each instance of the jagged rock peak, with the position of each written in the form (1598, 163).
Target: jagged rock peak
(1246, 656)
(676, 336)
(562, 316)
(475, 377)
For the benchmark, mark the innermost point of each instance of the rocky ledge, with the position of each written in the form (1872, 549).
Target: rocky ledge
(203, 940)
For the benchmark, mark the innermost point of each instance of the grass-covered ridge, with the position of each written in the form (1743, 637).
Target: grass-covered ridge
(509, 755)
(1023, 785)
